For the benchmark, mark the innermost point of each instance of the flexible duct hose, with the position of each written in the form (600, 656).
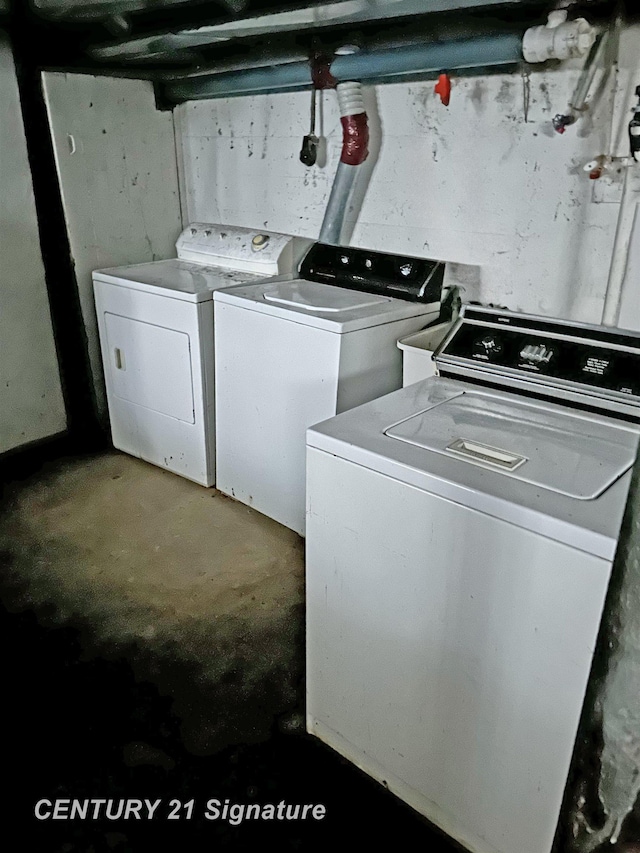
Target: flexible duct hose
(355, 141)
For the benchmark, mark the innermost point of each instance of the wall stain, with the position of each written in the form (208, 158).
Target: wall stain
(544, 91)
(477, 95)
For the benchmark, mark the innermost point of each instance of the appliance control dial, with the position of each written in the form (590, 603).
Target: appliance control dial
(491, 345)
(536, 353)
(488, 347)
(259, 241)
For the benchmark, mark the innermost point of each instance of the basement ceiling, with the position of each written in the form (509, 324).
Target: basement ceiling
(174, 40)
(314, 17)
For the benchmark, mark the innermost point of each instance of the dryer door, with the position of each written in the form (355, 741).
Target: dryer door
(150, 366)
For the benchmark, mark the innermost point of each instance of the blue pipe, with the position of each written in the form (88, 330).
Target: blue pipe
(390, 65)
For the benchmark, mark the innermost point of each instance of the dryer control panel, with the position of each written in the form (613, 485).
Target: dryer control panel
(593, 360)
(241, 249)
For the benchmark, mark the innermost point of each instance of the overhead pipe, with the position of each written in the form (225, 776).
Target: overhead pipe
(578, 102)
(393, 64)
(621, 247)
(629, 205)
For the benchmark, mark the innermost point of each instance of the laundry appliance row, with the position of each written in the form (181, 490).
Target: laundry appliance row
(217, 361)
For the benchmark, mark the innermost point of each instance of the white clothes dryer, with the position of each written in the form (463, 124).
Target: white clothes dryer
(155, 322)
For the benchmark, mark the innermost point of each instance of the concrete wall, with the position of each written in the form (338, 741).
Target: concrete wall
(31, 404)
(116, 162)
(486, 181)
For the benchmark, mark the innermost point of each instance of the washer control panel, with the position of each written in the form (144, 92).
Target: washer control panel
(537, 353)
(413, 279)
(550, 351)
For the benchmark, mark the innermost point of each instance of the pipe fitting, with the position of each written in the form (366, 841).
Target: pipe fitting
(350, 99)
(558, 39)
(562, 121)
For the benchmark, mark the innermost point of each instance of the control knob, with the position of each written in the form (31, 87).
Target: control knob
(536, 353)
(488, 347)
(259, 242)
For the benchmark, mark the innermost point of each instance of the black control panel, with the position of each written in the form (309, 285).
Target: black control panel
(595, 357)
(413, 279)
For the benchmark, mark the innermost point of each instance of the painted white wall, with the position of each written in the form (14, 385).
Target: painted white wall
(31, 403)
(116, 162)
(483, 182)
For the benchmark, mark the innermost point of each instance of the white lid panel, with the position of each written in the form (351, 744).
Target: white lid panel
(308, 296)
(561, 451)
(189, 281)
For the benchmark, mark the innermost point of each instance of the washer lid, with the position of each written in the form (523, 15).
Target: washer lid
(362, 436)
(560, 451)
(324, 306)
(307, 296)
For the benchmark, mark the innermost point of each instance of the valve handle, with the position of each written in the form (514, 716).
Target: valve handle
(443, 88)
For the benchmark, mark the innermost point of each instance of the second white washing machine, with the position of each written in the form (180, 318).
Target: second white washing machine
(460, 540)
(294, 351)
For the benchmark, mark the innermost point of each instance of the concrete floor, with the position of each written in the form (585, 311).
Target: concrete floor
(154, 646)
(203, 595)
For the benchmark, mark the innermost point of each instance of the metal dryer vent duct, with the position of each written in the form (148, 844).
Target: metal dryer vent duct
(354, 152)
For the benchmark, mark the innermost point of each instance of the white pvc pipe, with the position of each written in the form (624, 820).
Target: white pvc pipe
(621, 246)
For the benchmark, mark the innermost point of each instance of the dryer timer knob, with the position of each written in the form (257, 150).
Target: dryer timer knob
(260, 241)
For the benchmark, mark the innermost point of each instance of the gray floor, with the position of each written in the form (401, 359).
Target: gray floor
(153, 636)
(202, 594)
(202, 598)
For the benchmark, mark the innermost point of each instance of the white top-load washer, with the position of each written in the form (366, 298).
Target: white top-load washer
(460, 539)
(155, 322)
(294, 351)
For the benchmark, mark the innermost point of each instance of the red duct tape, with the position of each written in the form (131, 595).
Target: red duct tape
(355, 139)
(321, 75)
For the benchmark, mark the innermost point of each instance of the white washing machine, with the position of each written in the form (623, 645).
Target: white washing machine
(460, 538)
(156, 335)
(292, 352)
